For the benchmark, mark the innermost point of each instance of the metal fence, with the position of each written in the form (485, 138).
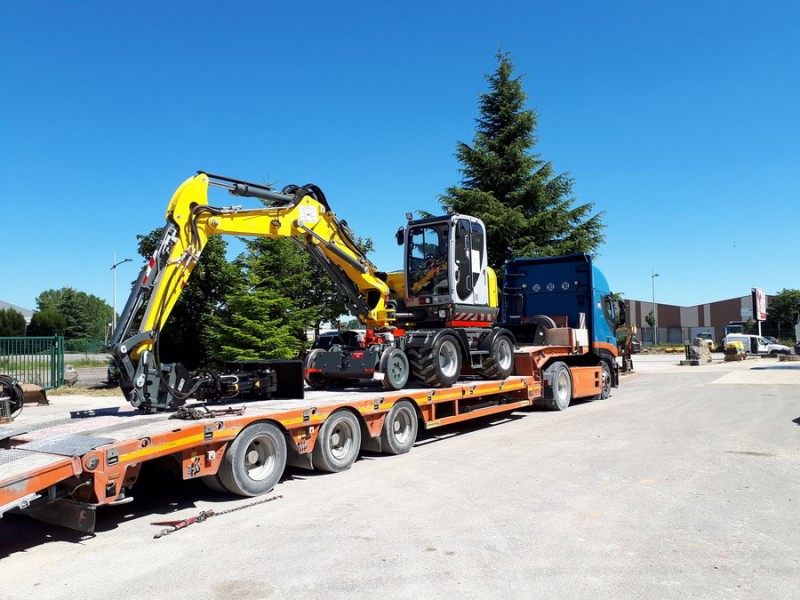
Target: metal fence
(36, 360)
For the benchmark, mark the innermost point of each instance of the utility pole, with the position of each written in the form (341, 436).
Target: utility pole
(653, 276)
(114, 310)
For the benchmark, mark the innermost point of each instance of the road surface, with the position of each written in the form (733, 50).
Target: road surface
(684, 484)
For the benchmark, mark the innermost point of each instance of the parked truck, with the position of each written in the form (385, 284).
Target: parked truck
(564, 300)
(63, 469)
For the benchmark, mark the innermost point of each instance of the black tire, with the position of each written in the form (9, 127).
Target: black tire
(213, 482)
(439, 365)
(255, 460)
(400, 429)
(558, 394)
(338, 442)
(395, 368)
(605, 385)
(500, 362)
(315, 380)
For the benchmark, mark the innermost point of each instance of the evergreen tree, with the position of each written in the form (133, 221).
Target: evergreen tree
(12, 323)
(527, 208)
(47, 322)
(268, 313)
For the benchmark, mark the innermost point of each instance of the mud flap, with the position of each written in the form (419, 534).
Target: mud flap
(74, 515)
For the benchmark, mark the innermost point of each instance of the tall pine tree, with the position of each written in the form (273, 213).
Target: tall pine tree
(267, 314)
(527, 208)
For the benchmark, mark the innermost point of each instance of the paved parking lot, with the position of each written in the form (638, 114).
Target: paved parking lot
(684, 484)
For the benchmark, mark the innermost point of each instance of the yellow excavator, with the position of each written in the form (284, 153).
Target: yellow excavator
(433, 321)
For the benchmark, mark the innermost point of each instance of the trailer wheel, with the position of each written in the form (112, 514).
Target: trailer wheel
(315, 380)
(558, 394)
(394, 365)
(255, 460)
(399, 429)
(439, 365)
(213, 482)
(500, 362)
(338, 442)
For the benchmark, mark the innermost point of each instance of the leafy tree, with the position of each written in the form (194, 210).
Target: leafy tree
(650, 319)
(47, 322)
(185, 335)
(782, 310)
(268, 313)
(12, 323)
(86, 315)
(527, 208)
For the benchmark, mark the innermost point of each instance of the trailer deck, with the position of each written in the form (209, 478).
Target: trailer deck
(60, 469)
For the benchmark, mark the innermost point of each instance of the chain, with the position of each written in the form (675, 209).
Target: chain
(202, 516)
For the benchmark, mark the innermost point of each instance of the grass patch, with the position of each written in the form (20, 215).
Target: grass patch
(76, 390)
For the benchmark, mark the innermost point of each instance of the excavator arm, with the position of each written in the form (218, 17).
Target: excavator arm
(299, 213)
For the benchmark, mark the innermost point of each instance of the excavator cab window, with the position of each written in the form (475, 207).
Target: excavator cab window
(427, 260)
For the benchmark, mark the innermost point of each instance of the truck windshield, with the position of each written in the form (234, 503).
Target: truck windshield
(427, 260)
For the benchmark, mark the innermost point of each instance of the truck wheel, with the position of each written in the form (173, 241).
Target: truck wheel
(399, 429)
(394, 365)
(338, 442)
(439, 365)
(255, 460)
(500, 362)
(315, 380)
(605, 389)
(558, 394)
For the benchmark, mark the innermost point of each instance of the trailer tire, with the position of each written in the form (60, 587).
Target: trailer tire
(500, 362)
(255, 460)
(558, 393)
(214, 483)
(338, 442)
(438, 365)
(400, 429)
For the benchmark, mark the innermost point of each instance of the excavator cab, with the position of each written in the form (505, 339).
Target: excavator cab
(446, 269)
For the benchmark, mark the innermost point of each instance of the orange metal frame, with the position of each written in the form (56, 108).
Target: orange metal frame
(99, 476)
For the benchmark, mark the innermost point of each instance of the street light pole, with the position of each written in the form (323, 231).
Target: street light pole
(114, 309)
(653, 276)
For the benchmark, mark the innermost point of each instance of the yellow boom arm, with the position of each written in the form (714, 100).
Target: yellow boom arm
(302, 215)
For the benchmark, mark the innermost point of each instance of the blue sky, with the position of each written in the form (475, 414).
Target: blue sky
(680, 121)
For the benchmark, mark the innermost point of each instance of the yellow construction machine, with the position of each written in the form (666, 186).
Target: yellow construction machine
(433, 321)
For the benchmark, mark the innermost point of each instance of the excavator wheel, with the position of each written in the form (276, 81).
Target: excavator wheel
(500, 362)
(314, 380)
(438, 365)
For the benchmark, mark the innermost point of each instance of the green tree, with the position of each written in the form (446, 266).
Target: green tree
(268, 313)
(782, 310)
(47, 322)
(650, 319)
(12, 323)
(185, 336)
(86, 315)
(527, 208)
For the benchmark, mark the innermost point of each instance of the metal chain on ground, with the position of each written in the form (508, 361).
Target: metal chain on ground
(203, 515)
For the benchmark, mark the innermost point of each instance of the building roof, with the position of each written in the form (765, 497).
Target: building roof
(24, 311)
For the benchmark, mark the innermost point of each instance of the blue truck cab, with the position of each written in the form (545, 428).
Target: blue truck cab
(543, 295)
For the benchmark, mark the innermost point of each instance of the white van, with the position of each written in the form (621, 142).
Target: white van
(755, 344)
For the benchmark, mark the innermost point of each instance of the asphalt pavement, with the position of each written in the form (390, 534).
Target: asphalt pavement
(684, 484)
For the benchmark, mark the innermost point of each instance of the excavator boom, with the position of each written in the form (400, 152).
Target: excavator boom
(300, 213)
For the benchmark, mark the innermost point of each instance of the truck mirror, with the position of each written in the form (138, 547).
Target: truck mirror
(399, 236)
(623, 317)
